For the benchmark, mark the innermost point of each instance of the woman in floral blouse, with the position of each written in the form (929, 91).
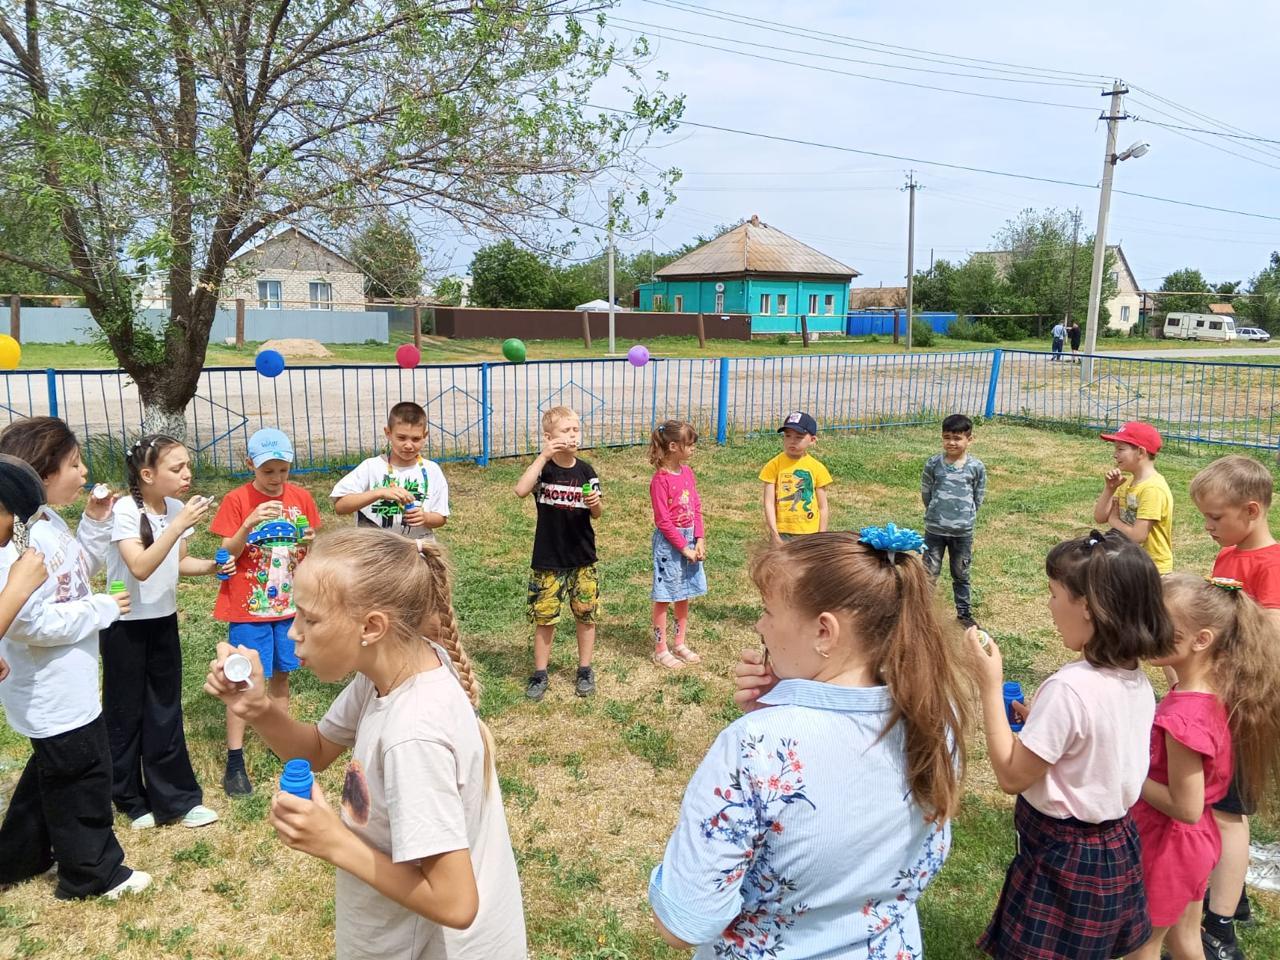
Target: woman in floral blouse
(811, 827)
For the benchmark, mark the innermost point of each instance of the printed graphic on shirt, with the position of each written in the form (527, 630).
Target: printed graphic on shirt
(1129, 512)
(71, 579)
(563, 496)
(796, 488)
(388, 510)
(355, 794)
(271, 554)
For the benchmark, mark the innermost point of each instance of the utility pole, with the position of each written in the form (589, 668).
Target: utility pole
(1113, 118)
(612, 343)
(1071, 284)
(911, 189)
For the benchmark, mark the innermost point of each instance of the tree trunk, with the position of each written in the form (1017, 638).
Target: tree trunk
(157, 419)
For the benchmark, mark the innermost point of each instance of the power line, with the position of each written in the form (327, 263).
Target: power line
(1202, 117)
(860, 76)
(839, 39)
(940, 163)
(1216, 133)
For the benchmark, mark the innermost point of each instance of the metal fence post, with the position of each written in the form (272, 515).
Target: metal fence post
(51, 379)
(722, 403)
(486, 411)
(990, 411)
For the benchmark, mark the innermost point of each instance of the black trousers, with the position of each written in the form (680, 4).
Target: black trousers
(61, 811)
(142, 706)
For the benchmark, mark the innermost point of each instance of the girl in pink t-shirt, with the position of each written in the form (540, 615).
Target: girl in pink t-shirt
(1074, 889)
(1226, 652)
(679, 546)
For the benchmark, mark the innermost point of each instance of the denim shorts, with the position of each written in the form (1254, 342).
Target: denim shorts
(271, 639)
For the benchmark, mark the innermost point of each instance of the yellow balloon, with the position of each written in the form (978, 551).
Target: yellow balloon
(10, 352)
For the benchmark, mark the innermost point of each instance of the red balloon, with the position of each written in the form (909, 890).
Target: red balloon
(408, 356)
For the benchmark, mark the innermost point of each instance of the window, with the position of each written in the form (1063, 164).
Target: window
(1173, 322)
(1215, 325)
(658, 301)
(766, 302)
(1115, 278)
(679, 303)
(321, 295)
(269, 294)
(1124, 314)
(782, 304)
(719, 303)
(829, 304)
(813, 304)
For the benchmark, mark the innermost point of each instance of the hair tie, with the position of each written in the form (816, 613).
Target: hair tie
(1093, 539)
(662, 428)
(1225, 583)
(891, 540)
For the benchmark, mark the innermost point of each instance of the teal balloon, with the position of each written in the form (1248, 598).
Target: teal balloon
(513, 349)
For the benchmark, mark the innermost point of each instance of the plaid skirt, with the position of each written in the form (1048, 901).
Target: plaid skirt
(1073, 892)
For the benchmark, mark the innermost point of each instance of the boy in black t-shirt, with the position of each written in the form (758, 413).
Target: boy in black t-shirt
(567, 493)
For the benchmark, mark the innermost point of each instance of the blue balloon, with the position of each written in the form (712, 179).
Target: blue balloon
(269, 363)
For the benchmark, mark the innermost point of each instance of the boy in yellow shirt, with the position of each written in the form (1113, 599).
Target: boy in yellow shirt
(795, 483)
(1139, 506)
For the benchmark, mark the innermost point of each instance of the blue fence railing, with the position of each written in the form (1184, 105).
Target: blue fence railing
(479, 412)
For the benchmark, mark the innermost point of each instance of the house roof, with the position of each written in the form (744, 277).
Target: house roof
(755, 247)
(293, 233)
(1222, 309)
(1002, 259)
(870, 298)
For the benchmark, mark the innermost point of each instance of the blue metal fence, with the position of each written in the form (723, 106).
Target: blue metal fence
(479, 412)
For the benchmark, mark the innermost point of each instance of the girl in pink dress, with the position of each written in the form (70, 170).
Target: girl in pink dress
(1227, 652)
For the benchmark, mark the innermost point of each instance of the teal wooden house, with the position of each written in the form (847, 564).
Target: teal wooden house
(756, 269)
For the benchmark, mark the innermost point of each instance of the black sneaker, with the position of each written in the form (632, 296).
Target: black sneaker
(537, 687)
(1215, 949)
(236, 783)
(586, 685)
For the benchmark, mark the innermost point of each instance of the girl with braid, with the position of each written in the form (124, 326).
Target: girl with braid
(420, 842)
(152, 779)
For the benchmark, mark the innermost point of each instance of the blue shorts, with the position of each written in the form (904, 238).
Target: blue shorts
(271, 640)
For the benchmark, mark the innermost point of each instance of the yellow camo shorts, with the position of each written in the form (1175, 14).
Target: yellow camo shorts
(548, 590)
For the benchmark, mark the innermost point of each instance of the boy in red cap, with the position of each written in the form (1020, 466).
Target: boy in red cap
(1140, 506)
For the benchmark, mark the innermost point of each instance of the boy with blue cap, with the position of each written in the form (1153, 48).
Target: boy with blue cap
(265, 526)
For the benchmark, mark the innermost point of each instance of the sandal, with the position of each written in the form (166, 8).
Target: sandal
(664, 658)
(685, 654)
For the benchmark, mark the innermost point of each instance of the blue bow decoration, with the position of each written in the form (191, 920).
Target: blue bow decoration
(892, 539)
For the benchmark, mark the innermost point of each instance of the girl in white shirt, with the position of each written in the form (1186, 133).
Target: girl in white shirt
(425, 866)
(152, 779)
(1075, 889)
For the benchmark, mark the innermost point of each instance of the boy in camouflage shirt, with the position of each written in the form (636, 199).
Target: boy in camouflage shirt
(952, 487)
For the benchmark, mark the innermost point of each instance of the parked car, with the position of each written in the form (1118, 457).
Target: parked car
(1253, 333)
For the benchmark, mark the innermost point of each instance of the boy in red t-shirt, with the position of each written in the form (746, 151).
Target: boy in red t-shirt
(1234, 495)
(265, 526)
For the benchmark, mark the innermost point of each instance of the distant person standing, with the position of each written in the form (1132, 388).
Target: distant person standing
(1073, 332)
(1059, 333)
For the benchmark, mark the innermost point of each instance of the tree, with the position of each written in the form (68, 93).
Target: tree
(1262, 309)
(448, 292)
(35, 236)
(933, 289)
(978, 287)
(1188, 298)
(176, 133)
(385, 249)
(503, 275)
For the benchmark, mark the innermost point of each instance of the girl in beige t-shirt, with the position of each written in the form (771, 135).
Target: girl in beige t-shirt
(425, 865)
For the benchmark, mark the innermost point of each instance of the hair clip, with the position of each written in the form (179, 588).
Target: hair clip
(662, 428)
(1225, 583)
(1093, 539)
(892, 540)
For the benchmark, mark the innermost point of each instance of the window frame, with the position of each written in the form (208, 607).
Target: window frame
(679, 303)
(267, 302)
(316, 302)
(766, 304)
(829, 305)
(783, 302)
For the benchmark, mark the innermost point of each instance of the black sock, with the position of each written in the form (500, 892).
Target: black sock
(539, 675)
(1220, 927)
(235, 759)
(584, 671)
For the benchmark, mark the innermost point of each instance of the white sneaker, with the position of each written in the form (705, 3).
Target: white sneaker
(1264, 876)
(144, 822)
(1264, 853)
(199, 816)
(137, 882)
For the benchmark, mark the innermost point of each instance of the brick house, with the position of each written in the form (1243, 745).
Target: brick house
(293, 271)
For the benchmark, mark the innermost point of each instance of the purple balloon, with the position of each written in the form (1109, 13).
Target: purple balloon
(638, 355)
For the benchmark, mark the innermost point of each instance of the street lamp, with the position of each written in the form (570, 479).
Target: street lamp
(1100, 237)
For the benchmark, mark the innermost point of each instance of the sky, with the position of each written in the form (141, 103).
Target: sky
(1219, 69)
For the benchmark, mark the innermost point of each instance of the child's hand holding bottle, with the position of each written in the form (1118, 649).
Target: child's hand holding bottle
(245, 696)
(193, 511)
(263, 512)
(399, 494)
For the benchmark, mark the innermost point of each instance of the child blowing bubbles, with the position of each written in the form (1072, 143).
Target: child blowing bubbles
(811, 827)
(1227, 652)
(678, 543)
(1074, 890)
(425, 866)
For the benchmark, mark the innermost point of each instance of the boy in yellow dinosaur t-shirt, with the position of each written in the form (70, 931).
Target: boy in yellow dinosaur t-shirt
(795, 494)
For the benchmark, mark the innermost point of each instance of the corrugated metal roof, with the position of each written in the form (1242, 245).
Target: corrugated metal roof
(870, 298)
(755, 247)
(1222, 309)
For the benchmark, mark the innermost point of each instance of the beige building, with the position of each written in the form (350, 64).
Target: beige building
(1123, 308)
(292, 271)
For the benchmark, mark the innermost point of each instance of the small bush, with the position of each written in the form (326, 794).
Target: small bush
(871, 338)
(962, 328)
(1111, 333)
(782, 339)
(921, 333)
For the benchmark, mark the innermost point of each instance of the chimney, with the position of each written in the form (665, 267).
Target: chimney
(755, 219)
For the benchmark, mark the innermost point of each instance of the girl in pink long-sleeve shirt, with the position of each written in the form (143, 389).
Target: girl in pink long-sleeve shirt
(678, 544)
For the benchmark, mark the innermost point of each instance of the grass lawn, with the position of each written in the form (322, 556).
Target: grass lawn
(592, 786)
(441, 350)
